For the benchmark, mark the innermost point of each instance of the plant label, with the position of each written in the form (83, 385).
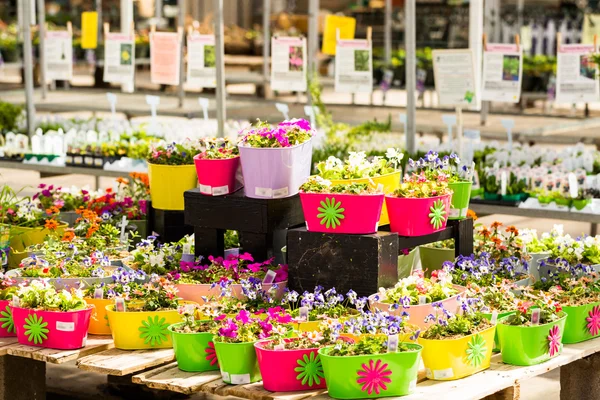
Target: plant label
(120, 304)
(58, 62)
(153, 102)
(270, 277)
(204, 104)
(576, 77)
(98, 293)
(201, 66)
(503, 183)
(422, 299)
(353, 66)
(112, 100)
(494, 318)
(288, 64)
(65, 326)
(284, 109)
(123, 226)
(239, 379)
(16, 302)
(187, 248)
(392, 343)
(454, 72)
(279, 347)
(189, 309)
(380, 188)
(573, 185)
(450, 122)
(303, 313)
(119, 58)
(535, 316)
(502, 73)
(508, 124)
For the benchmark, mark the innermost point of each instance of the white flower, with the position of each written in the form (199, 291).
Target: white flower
(333, 163)
(558, 229)
(393, 154)
(357, 159)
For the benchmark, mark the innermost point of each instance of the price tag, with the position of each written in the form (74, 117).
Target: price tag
(303, 313)
(112, 100)
(494, 318)
(392, 343)
(422, 299)
(573, 185)
(508, 124)
(120, 304)
(284, 109)
(270, 277)
(503, 183)
(535, 316)
(204, 104)
(98, 293)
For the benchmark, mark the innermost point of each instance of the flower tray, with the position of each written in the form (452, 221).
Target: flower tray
(450, 359)
(216, 177)
(195, 352)
(195, 291)
(52, 329)
(342, 213)
(418, 217)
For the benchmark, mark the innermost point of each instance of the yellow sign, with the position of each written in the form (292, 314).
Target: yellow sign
(89, 30)
(346, 26)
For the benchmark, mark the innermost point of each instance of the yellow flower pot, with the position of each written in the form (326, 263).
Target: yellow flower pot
(450, 359)
(22, 237)
(136, 330)
(390, 183)
(99, 320)
(168, 183)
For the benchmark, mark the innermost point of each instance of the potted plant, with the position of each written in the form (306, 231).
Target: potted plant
(416, 295)
(385, 170)
(216, 166)
(171, 171)
(491, 187)
(515, 188)
(433, 255)
(44, 317)
(234, 343)
(67, 200)
(420, 205)
(498, 242)
(536, 249)
(370, 368)
(486, 271)
(157, 258)
(141, 320)
(457, 344)
(582, 200)
(533, 333)
(276, 160)
(344, 208)
(293, 364)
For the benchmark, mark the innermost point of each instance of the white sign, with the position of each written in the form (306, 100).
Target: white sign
(353, 66)
(59, 56)
(502, 73)
(201, 67)
(576, 74)
(288, 65)
(119, 58)
(454, 73)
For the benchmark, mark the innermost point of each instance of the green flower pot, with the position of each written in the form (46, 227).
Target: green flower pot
(460, 199)
(371, 376)
(238, 362)
(583, 323)
(512, 197)
(195, 352)
(544, 199)
(476, 192)
(580, 204)
(563, 202)
(496, 348)
(432, 258)
(530, 345)
(405, 266)
(491, 196)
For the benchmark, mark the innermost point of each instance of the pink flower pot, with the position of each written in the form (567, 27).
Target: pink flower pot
(290, 370)
(271, 173)
(417, 217)
(52, 329)
(216, 177)
(342, 213)
(418, 313)
(195, 292)
(7, 326)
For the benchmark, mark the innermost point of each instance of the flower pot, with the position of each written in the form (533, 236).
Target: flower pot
(491, 196)
(460, 199)
(432, 258)
(530, 345)
(405, 264)
(22, 237)
(417, 313)
(7, 325)
(195, 291)
(136, 330)
(371, 376)
(216, 177)
(238, 362)
(63, 330)
(544, 200)
(99, 320)
(141, 226)
(417, 217)
(275, 172)
(535, 270)
(168, 183)
(513, 198)
(583, 323)
(450, 359)
(289, 370)
(341, 213)
(390, 183)
(69, 217)
(562, 202)
(195, 352)
(581, 204)
(488, 316)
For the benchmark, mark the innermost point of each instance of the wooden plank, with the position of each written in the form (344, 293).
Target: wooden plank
(5, 343)
(94, 344)
(256, 391)
(169, 377)
(124, 362)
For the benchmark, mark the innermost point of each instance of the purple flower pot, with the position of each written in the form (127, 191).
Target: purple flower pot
(275, 172)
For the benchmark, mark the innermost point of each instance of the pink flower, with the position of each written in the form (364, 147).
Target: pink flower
(186, 266)
(243, 316)
(255, 267)
(230, 263)
(554, 341)
(246, 257)
(373, 377)
(281, 274)
(221, 317)
(211, 354)
(593, 321)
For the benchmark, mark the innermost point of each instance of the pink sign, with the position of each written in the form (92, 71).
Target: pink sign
(165, 56)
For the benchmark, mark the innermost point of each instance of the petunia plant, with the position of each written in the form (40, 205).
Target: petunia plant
(218, 149)
(244, 327)
(285, 134)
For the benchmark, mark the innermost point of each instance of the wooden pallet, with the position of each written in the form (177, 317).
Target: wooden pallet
(118, 362)
(94, 344)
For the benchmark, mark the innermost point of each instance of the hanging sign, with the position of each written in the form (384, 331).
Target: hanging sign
(165, 57)
(201, 67)
(288, 65)
(119, 58)
(333, 23)
(454, 73)
(353, 66)
(502, 73)
(576, 77)
(89, 30)
(59, 55)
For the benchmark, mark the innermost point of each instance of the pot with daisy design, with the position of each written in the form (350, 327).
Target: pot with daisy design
(193, 344)
(370, 369)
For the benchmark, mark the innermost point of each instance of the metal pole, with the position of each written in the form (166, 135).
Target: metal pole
(42, 32)
(520, 6)
(100, 24)
(220, 55)
(475, 43)
(126, 20)
(180, 24)
(313, 35)
(28, 67)
(410, 38)
(387, 38)
(158, 5)
(266, 41)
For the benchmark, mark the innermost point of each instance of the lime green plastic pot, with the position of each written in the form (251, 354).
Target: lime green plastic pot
(530, 345)
(432, 258)
(563, 202)
(496, 348)
(460, 199)
(371, 376)
(195, 352)
(580, 204)
(238, 362)
(583, 323)
(405, 264)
